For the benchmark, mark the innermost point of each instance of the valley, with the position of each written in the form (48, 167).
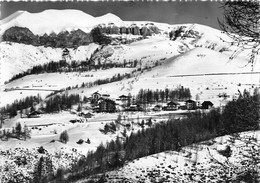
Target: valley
(107, 86)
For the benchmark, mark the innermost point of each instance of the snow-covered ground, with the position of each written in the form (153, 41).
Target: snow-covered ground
(194, 163)
(206, 72)
(199, 61)
(45, 132)
(44, 84)
(17, 58)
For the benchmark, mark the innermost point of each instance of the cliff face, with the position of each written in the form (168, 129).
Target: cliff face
(19, 35)
(67, 39)
(74, 38)
(145, 30)
(63, 39)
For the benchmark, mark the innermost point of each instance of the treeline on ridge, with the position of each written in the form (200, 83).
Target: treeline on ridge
(21, 104)
(147, 96)
(73, 66)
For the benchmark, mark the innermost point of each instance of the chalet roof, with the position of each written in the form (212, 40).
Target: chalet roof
(34, 113)
(190, 101)
(158, 106)
(107, 95)
(96, 93)
(207, 103)
(65, 50)
(173, 103)
(123, 96)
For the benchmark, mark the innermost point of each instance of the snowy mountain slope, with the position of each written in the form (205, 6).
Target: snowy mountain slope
(202, 61)
(56, 21)
(17, 58)
(193, 70)
(44, 84)
(150, 50)
(198, 50)
(146, 51)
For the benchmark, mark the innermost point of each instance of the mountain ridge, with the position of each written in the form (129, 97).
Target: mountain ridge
(56, 21)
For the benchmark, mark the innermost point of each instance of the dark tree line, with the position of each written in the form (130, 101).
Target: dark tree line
(73, 66)
(58, 102)
(147, 96)
(16, 132)
(28, 102)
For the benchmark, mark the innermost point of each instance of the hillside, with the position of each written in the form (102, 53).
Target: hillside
(17, 58)
(206, 72)
(201, 161)
(90, 89)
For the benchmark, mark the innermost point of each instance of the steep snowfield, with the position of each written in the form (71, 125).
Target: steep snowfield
(17, 58)
(202, 61)
(146, 51)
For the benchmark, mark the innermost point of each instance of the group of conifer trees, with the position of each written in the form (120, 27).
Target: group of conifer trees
(73, 66)
(147, 96)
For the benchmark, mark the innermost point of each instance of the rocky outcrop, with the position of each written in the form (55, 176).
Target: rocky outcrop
(104, 52)
(67, 39)
(71, 39)
(76, 38)
(154, 29)
(145, 30)
(124, 30)
(134, 29)
(19, 35)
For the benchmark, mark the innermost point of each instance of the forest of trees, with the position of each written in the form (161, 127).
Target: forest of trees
(61, 102)
(171, 135)
(26, 103)
(73, 66)
(151, 96)
(17, 132)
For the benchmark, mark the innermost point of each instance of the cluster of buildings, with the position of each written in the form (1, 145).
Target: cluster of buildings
(184, 105)
(102, 103)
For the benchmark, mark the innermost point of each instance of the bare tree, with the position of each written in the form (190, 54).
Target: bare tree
(241, 21)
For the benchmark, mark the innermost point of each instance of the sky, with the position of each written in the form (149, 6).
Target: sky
(202, 12)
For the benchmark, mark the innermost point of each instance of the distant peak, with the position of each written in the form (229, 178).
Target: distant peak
(109, 15)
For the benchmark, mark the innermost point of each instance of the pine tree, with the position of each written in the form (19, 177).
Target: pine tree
(64, 137)
(18, 129)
